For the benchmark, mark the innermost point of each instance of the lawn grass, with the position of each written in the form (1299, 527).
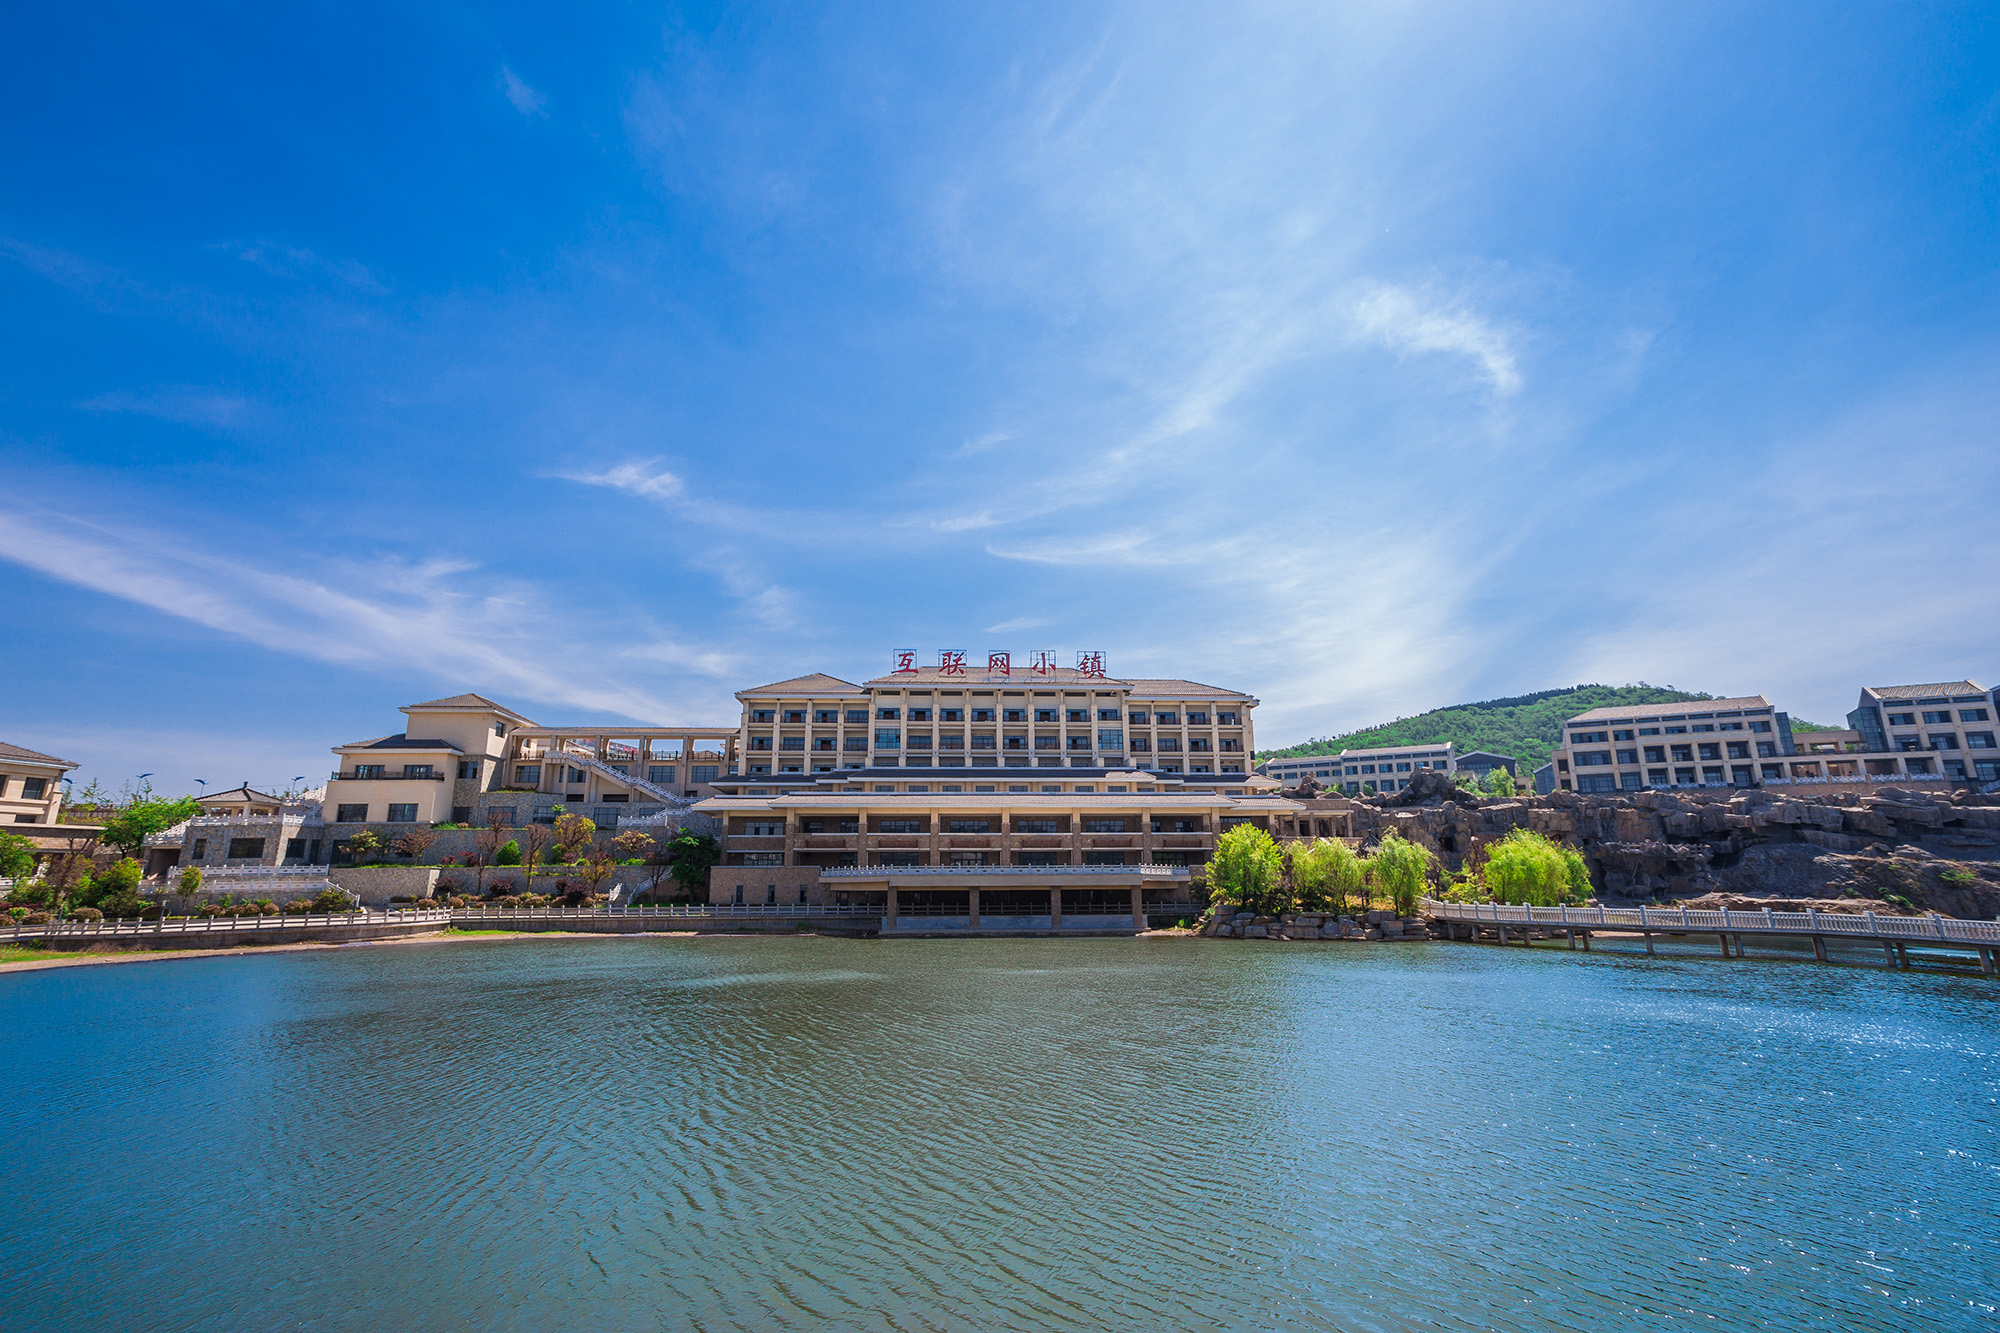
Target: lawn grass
(460, 930)
(25, 953)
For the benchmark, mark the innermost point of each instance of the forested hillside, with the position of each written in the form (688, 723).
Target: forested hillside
(1526, 726)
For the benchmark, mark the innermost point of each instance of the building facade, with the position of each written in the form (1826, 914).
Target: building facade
(1363, 772)
(952, 716)
(1946, 730)
(31, 786)
(1898, 733)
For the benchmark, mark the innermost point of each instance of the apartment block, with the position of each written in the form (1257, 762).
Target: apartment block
(1363, 772)
(1711, 743)
(31, 786)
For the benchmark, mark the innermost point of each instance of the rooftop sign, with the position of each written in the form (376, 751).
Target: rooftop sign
(951, 662)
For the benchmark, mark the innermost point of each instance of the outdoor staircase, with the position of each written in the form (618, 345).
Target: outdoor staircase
(672, 800)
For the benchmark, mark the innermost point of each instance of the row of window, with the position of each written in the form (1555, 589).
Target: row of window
(1947, 740)
(775, 828)
(32, 789)
(252, 849)
(1937, 717)
(530, 775)
(859, 716)
(399, 812)
(1626, 734)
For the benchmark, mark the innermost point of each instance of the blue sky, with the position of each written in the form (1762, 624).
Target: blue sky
(1368, 358)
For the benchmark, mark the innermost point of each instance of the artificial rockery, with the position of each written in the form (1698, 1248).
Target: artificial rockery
(1894, 848)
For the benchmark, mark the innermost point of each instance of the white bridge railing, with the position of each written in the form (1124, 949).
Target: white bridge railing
(662, 911)
(1861, 925)
(220, 925)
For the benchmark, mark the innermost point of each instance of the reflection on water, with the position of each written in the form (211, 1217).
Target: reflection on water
(854, 1134)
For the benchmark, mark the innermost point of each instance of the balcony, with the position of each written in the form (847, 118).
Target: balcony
(756, 842)
(388, 777)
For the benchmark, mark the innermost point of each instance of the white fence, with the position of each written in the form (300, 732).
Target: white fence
(1859, 925)
(220, 925)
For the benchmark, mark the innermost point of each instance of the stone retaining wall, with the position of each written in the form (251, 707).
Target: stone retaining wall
(1375, 925)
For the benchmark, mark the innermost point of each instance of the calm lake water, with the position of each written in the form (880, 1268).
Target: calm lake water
(1134, 1134)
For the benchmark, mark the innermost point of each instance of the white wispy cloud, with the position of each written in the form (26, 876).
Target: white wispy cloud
(649, 479)
(1018, 623)
(1420, 320)
(525, 99)
(434, 616)
(185, 405)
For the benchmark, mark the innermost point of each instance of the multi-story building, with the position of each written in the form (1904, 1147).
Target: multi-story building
(1943, 729)
(462, 759)
(952, 716)
(242, 829)
(1710, 743)
(1363, 772)
(31, 786)
(1899, 733)
(955, 796)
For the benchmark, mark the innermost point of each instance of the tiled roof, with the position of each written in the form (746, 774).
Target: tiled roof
(399, 741)
(1672, 710)
(800, 687)
(1164, 688)
(1944, 689)
(466, 701)
(25, 755)
(243, 793)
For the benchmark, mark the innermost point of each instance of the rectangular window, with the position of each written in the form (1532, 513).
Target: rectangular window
(1103, 826)
(419, 771)
(200, 852)
(1079, 715)
(887, 714)
(1656, 777)
(1978, 740)
(1712, 776)
(1944, 741)
(295, 849)
(660, 773)
(1936, 717)
(905, 826)
(857, 717)
(969, 825)
(763, 715)
(888, 738)
(764, 828)
(1597, 782)
(1197, 719)
(1656, 754)
(351, 814)
(1226, 719)
(916, 742)
(1629, 782)
(529, 775)
(1739, 749)
(920, 715)
(982, 715)
(1110, 739)
(705, 772)
(1761, 726)
(795, 715)
(1774, 772)
(1037, 858)
(1766, 749)
(468, 768)
(1621, 735)
(33, 788)
(1593, 759)
(246, 849)
(403, 813)
(1038, 825)
(1902, 719)
(1167, 719)
(1628, 756)
(951, 715)
(1711, 751)
(368, 770)
(1684, 776)
(1972, 715)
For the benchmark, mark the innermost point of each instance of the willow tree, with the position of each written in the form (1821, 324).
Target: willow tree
(1400, 869)
(1326, 874)
(1245, 868)
(1525, 867)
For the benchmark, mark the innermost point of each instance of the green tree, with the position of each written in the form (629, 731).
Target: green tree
(364, 846)
(509, 854)
(1326, 874)
(17, 856)
(1400, 869)
(190, 885)
(114, 889)
(690, 856)
(573, 834)
(1526, 868)
(1245, 869)
(1499, 782)
(144, 816)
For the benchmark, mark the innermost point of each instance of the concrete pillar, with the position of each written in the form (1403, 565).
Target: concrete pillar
(1570, 935)
(1055, 907)
(1819, 947)
(1586, 941)
(1138, 907)
(974, 897)
(1723, 939)
(1649, 941)
(1902, 956)
(889, 909)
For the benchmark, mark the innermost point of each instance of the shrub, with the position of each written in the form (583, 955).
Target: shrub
(455, 901)
(509, 901)
(1961, 876)
(509, 854)
(209, 910)
(36, 919)
(190, 881)
(331, 899)
(86, 914)
(300, 905)
(30, 895)
(18, 913)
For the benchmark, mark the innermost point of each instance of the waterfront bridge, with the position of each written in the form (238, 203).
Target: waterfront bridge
(1896, 936)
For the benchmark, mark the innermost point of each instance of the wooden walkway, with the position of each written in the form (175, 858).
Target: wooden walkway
(1896, 936)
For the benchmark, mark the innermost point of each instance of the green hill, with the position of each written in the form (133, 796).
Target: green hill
(1527, 726)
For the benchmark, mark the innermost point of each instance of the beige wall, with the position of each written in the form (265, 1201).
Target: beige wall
(18, 808)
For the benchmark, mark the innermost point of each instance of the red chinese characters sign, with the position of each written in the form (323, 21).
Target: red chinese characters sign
(951, 662)
(999, 664)
(1090, 664)
(906, 661)
(1041, 663)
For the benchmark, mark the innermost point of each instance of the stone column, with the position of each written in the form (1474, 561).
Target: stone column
(889, 908)
(1055, 907)
(974, 925)
(1138, 907)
